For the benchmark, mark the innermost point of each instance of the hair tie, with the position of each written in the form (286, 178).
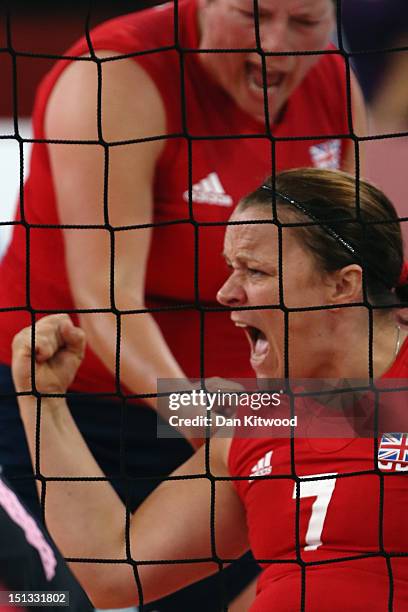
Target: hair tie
(403, 278)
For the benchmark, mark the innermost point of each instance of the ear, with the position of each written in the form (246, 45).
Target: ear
(345, 285)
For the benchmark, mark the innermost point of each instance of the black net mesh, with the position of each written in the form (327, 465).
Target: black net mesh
(14, 54)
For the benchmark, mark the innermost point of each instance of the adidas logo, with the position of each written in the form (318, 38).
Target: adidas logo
(209, 191)
(263, 467)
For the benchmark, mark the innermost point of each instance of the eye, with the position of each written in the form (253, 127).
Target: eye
(307, 23)
(254, 272)
(246, 14)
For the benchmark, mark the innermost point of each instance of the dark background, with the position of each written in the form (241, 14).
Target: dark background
(45, 27)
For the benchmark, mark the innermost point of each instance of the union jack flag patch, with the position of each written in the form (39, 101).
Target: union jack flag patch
(326, 154)
(393, 452)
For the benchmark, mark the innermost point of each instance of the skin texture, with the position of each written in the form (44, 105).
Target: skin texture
(173, 522)
(252, 253)
(70, 114)
(290, 26)
(293, 25)
(76, 519)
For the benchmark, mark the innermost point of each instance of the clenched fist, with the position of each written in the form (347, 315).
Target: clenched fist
(59, 350)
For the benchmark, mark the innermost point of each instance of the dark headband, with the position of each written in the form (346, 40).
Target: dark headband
(311, 216)
(332, 232)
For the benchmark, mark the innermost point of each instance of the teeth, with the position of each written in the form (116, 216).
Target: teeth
(238, 324)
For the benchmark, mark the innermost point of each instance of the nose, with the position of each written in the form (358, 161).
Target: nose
(274, 35)
(232, 292)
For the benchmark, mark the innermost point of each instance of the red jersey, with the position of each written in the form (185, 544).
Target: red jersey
(222, 171)
(348, 513)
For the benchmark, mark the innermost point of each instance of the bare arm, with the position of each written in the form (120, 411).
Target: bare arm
(131, 109)
(87, 519)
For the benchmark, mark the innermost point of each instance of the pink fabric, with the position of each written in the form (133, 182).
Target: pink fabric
(10, 503)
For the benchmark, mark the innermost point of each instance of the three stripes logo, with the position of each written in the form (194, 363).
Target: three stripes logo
(263, 467)
(209, 191)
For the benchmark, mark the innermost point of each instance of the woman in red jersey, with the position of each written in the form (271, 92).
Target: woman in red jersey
(313, 288)
(135, 173)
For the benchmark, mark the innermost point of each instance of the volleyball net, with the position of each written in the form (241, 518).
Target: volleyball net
(320, 486)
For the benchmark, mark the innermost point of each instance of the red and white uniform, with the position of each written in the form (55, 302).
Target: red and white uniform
(222, 172)
(340, 521)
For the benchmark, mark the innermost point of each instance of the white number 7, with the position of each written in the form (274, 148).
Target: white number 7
(323, 491)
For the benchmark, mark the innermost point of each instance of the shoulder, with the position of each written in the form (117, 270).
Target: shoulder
(125, 52)
(143, 30)
(137, 50)
(321, 98)
(333, 76)
(329, 70)
(332, 87)
(118, 94)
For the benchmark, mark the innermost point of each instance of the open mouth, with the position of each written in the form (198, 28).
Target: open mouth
(257, 341)
(256, 81)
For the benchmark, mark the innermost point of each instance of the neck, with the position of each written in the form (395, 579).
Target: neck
(346, 354)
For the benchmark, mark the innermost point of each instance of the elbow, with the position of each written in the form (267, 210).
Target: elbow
(109, 592)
